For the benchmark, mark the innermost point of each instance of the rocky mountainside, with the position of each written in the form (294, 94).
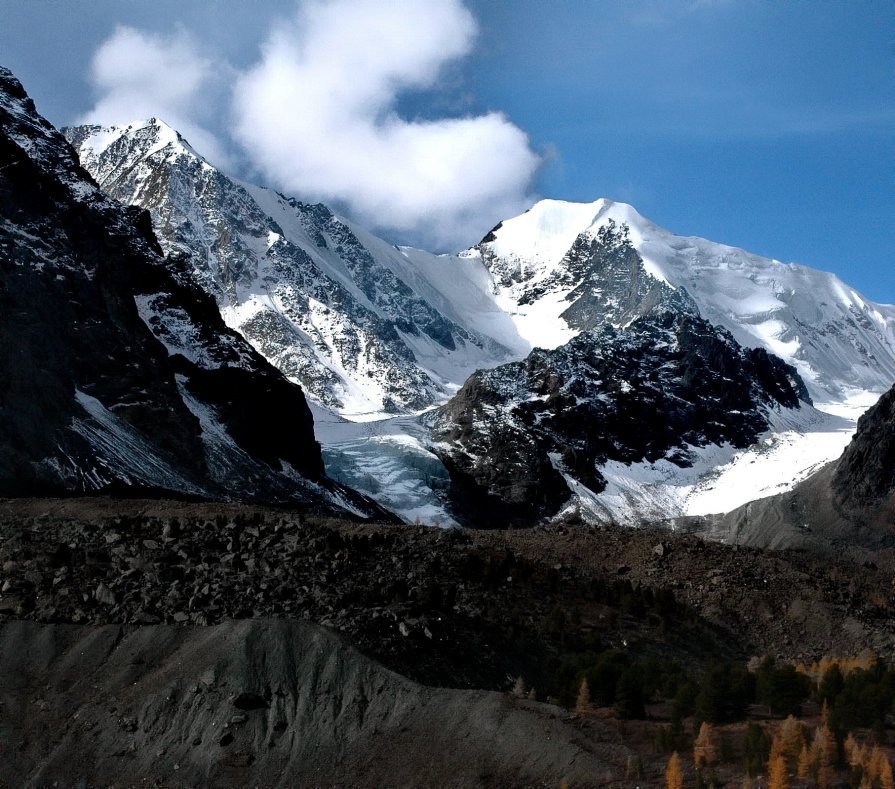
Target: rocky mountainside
(838, 340)
(331, 306)
(849, 502)
(519, 440)
(117, 372)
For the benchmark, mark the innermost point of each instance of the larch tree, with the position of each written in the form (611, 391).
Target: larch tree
(792, 740)
(674, 773)
(805, 764)
(852, 751)
(583, 702)
(705, 748)
(874, 766)
(778, 773)
(886, 781)
(824, 746)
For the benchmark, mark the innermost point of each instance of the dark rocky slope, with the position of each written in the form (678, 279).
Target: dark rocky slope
(457, 607)
(261, 703)
(662, 385)
(847, 506)
(116, 372)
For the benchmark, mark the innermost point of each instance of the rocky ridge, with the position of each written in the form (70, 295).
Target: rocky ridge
(118, 372)
(295, 280)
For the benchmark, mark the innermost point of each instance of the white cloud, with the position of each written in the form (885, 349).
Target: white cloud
(317, 117)
(140, 75)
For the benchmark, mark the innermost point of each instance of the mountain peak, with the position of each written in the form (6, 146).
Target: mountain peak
(144, 137)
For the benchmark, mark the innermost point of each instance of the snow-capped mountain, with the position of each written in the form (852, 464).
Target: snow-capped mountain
(531, 438)
(118, 372)
(839, 341)
(336, 309)
(371, 329)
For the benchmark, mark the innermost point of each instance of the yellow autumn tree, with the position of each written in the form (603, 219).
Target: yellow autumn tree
(874, 767)
(852, 750)
(791, 739)
(824, 750)
(805, 764)
(705, 748)
(778, 773)
(674, 773)
(886, 780)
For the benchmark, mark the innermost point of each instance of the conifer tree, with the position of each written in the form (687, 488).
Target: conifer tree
(805, 765)
(826, 750)
(705, 749)
(792, 740)
(852, 751)
(886, 780)
(874, 767)
(674, 773)
(778, 773)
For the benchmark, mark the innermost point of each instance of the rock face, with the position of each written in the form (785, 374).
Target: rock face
(519, 439)
(259, 703)
(334, 312)
(865, 474)
(117, 372)
(846, 506)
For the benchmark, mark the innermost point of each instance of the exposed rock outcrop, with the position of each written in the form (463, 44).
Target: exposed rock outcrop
(116, 372)
(516, 437)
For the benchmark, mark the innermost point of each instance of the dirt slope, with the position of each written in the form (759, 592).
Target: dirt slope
(260, 702)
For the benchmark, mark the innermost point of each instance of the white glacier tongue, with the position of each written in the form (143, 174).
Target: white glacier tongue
(722, 478)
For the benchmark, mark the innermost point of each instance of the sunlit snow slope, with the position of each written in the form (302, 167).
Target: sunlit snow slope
(840, 342)
(333, 307)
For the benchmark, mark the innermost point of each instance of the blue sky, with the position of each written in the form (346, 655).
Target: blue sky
(763, 124)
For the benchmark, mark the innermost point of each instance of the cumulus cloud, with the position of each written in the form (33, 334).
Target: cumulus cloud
(317, 116)
(139, 75)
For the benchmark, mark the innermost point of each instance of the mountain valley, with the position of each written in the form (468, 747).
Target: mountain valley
(284, 504)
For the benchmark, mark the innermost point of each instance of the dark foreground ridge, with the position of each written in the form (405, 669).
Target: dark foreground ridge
(160, 643)
(260, 703)
(455, 607)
